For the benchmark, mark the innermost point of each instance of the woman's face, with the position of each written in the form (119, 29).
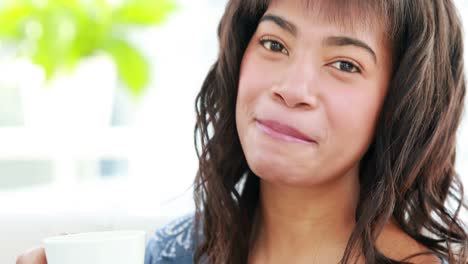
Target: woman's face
(309, 96)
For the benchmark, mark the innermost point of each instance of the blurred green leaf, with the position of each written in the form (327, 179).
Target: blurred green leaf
(12, 16)
(131, 65)
(56, 39)
(144, 12)
(56, 34)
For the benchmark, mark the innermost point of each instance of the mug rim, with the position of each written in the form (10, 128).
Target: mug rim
(94, 237)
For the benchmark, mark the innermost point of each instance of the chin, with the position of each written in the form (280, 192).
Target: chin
(278, 172)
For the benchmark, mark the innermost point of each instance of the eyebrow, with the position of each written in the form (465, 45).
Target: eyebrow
(281, 22)
(348, 41)
(329, 41)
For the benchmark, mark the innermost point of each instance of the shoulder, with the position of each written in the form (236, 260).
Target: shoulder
(172, 243)
(396, 244)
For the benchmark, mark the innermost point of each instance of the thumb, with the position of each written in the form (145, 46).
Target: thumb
(33, 256)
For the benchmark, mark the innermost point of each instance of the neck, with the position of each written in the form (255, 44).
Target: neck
(303, 221)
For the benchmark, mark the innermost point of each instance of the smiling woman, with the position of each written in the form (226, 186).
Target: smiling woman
(309, 85)
(341, 118)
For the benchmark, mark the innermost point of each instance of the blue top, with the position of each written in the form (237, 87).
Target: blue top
(174, 243)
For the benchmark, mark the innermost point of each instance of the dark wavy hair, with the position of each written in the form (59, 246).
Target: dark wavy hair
(408, 171)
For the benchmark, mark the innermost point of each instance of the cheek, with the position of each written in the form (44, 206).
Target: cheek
(353, 115)
(255, 80)
(255, 77)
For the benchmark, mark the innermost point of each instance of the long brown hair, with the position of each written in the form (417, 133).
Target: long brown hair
(408, 171)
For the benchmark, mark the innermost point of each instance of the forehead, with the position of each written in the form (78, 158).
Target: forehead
(351, 16)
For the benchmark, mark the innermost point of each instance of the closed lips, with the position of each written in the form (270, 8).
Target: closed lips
(285, 129)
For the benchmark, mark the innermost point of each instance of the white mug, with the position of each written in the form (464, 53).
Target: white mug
(109, 247)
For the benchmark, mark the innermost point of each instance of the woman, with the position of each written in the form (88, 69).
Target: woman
(327, 135)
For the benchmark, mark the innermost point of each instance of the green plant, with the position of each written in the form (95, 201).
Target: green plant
(56, 34)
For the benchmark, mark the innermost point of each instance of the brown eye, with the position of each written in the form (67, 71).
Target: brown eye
(346, 66)
(273, 45)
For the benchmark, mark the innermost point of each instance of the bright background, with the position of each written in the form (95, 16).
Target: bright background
(130, 162)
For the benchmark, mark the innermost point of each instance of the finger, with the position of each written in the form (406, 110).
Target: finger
(33, 256)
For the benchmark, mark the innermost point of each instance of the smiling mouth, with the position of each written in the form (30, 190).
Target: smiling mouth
(283, 132)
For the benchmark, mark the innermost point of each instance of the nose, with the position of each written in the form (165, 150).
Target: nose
(298, 87)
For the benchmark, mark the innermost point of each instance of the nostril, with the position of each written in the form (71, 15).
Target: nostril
(278, 97)
(303, 105)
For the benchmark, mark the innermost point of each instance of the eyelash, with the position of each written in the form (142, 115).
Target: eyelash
(264, 40)
(356, 69)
